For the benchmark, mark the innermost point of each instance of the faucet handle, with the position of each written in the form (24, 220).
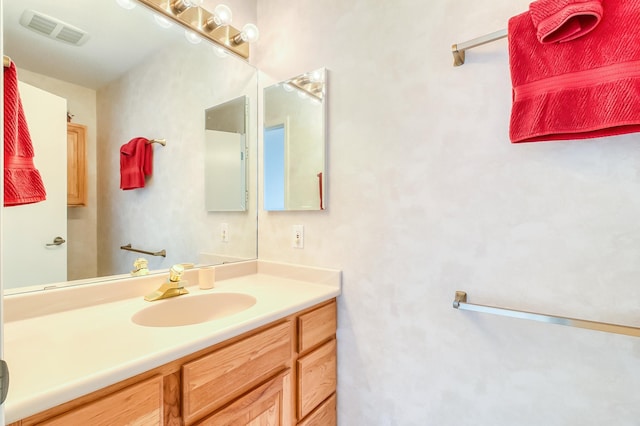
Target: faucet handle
(175, 273)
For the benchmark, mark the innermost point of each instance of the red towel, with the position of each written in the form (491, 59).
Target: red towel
(136, 162)
(564, 20)
(22, 181)
(586, 88)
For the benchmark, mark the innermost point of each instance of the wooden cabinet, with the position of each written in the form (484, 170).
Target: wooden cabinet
(324, 415)
(217, 378)
(317, 326)
(316, 377)
(76, 165)
(282, 374)
(316, 366)
(139, 404)
(265, 405)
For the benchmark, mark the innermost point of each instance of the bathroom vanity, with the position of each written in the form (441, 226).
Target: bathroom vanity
(271, 363)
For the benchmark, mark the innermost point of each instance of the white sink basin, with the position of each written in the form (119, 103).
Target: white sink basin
(192, 309)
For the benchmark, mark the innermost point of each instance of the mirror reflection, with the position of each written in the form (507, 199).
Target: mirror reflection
(159, 90)
(225, 156)
(294, 143)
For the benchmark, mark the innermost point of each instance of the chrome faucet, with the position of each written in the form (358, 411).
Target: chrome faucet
(173, 287)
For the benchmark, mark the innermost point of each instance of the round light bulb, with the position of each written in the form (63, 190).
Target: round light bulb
(316, 76)
(250, 33)
(126, 4)
(222, 14)
(162, 21)
(179, 6)
(192, 37)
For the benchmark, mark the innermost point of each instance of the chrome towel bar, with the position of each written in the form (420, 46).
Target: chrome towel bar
(459, 48)
(460, 302)
(128, 247)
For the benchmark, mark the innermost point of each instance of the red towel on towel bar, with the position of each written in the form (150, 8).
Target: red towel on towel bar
(136, 162)
(22, 181)
(586, 88)
(564, 20)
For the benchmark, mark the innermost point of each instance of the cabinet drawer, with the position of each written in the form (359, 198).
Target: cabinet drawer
(316, 326)
(325, 415)
(140, 404)
(215, 379)
(267, 404)
(317, 374)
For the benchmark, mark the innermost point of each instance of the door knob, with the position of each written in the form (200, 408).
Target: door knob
(57, 241)
(4, 381)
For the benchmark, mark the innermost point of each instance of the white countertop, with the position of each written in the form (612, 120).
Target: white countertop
(59, 356)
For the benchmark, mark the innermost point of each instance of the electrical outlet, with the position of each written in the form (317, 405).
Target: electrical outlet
(297, 236)
(224, 232)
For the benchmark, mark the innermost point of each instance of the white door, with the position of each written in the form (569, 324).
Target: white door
(27, 259)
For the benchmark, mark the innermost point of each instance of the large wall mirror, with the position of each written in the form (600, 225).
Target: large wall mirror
(131, 78)
(294, 143)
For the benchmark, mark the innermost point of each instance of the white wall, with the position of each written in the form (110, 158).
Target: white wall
(427, 196)
(82, 259)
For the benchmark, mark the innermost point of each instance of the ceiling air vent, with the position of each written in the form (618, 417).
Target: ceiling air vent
(53, 28)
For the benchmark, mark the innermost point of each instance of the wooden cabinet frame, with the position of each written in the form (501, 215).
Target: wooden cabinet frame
(76, 165)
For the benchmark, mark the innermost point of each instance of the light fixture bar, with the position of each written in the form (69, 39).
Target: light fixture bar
(195, 18)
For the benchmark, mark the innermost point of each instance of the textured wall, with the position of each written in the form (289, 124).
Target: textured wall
(427, 196)
(166, 97)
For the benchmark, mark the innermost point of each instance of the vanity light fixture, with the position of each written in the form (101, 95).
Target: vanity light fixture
(249, 34)
(179, 6)
(221, 16)
(310, 85)
(214, 26)
(316, 76)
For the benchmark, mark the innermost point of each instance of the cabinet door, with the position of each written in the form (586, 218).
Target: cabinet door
(215, 379)
(266, 405)
(140, 404)
(324, 415)
(76, 165)
(317, 377)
